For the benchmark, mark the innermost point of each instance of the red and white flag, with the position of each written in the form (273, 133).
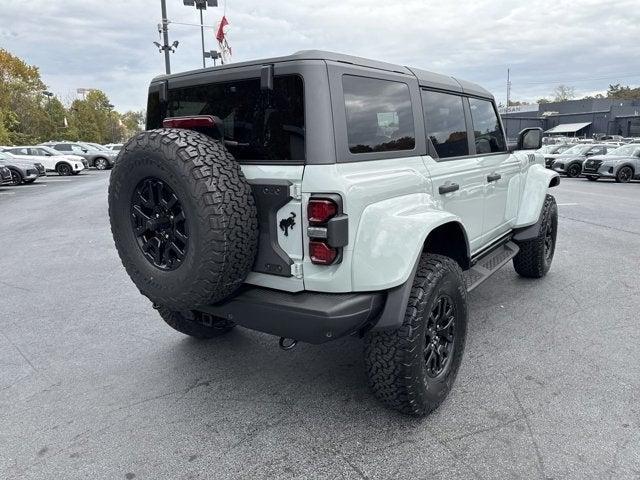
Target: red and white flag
(223, 44)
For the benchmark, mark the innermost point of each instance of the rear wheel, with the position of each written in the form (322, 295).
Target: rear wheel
(574, 170)
(101, 164)
(196, 324)
(63, 169)
(535, 256)
(624, 175)
(412, 368)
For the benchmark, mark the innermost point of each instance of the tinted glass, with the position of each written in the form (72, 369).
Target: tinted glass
(487, 133)
(262, 125)
(445, 124)
(379, 115)
(154, 119)
(63, 147)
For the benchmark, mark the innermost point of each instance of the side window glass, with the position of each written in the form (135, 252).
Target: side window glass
(63, 147)
(487, 133)
(76, 148)
(445, 123)
(379, 115)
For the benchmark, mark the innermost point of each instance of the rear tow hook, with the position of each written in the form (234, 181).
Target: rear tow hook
(287, 343)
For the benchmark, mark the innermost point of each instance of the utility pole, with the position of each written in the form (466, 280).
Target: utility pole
(165, 37)
(508, 88)
(202, 34)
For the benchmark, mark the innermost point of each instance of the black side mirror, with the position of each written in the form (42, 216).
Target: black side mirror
(530, 139)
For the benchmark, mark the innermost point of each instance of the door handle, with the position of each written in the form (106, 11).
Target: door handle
(448, 187)
(494, 177)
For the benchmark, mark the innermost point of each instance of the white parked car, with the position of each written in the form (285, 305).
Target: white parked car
(52, 160)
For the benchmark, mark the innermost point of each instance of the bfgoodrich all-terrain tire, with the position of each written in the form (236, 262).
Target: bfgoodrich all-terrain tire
(196, 324)
(412, 368)
(535, 256)
(183, 218)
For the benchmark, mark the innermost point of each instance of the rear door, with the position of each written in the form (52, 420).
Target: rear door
(501, 170)
(265, 132)
(457, 177)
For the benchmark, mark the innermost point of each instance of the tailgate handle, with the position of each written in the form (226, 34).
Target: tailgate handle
(448, 188)
(494, 177)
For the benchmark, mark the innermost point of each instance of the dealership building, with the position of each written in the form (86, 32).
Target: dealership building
(579, 118)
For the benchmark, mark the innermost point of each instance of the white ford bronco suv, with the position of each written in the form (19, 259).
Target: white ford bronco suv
(320, 195)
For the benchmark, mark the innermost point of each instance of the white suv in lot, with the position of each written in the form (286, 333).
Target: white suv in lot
(320, 195)
(52, 160)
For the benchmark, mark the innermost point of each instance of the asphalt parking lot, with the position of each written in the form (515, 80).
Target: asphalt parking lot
(94, 385)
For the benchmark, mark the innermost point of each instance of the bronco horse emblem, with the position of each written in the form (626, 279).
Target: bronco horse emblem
(288, 223)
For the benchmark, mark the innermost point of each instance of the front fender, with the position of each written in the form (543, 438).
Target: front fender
(390, 237)
(535, 190)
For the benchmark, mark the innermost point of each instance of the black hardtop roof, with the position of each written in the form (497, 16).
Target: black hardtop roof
(425, 78)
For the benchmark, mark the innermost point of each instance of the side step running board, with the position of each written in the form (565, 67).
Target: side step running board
(489, 264)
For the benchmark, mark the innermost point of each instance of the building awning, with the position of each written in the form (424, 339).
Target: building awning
(568, 127)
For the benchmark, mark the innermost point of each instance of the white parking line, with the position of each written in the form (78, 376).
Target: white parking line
(34, 185)
(7, 193)
(54, 179)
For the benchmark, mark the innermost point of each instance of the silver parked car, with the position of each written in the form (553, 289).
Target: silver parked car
(22, 171)
(622, 164)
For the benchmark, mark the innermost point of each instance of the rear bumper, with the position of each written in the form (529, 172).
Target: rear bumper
(305, 316)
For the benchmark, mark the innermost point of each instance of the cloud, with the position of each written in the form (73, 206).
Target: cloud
(108, 45)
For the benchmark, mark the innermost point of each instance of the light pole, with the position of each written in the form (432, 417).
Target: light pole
(49, 95)
(163, 28)
(201, 5)
(113, 134)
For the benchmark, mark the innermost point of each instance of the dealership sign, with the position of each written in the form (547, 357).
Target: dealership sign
(531, 107)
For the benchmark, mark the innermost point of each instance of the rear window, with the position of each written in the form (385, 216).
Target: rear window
(258, 125)
(379, 115)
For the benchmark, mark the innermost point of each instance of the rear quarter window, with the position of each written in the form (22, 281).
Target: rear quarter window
(258, 125)
(379, 115)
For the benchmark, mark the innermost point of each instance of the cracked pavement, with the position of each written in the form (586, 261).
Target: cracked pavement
(94, 385)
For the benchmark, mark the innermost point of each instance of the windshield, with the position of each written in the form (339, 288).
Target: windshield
(5, 156)
(625, 151)
(577, 150)
(96, 146)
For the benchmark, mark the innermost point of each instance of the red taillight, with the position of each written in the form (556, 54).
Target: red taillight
(321, 253)
(320, 210)
(197, 121)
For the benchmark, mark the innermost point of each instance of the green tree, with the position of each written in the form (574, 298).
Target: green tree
(623, 92)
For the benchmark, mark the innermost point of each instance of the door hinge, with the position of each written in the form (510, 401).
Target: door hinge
(296, 270)
(296, 191)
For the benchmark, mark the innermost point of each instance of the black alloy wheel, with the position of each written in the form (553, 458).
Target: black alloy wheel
(64, 169)
(549, 242)
(574, 170)
(16, 178)
(159, 224)
(624, 175)
(439, 336)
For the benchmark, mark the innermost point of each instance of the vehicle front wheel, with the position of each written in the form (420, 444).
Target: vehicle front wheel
(535, 256)
(624, 175)
(592, 178)
(63, 169)
(574, 170)
(412, 368)
(196, 324)
(16, 178)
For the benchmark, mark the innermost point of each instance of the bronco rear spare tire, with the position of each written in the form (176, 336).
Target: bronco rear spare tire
(183, 218)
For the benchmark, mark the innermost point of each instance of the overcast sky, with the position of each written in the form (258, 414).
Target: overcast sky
(108, 44)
